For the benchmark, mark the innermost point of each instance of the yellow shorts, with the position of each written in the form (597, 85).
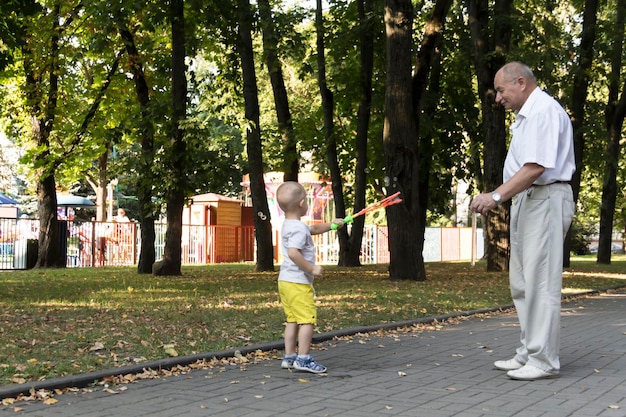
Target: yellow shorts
(298, 303)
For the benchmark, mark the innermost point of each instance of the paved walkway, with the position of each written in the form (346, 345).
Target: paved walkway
(444, 371)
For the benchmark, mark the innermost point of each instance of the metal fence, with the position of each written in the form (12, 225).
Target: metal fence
(96, 244)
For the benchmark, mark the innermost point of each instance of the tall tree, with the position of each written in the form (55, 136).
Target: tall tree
(171, 262)
(580, 88)
(291, 160)
(426, 94)
(349, 254)
(146, 180)
(400, 143)
(614, 121)
(490, 51)
(328, 110)
(407, 153)
(42, 108)
(262, 224)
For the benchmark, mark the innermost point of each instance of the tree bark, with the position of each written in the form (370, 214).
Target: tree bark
(172, 253)
(262, 218)
(400, 144)
(352, 254)
(328, 109)
(147, 212)
(291, 160)
(579, 97)
(426, 81)
(42, 121)
(490, 55)
(615, 113)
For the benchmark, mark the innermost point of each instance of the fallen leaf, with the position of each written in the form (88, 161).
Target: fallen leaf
(96, 346)
(614, 407)
(50, 401)
(170, 351)
(303, 380)
(401, 373)
(388, 407)
(258, 396)
(240, 357)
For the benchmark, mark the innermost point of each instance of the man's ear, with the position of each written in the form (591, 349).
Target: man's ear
(302, 202)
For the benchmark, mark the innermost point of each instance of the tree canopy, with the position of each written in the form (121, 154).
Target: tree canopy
(378, 95)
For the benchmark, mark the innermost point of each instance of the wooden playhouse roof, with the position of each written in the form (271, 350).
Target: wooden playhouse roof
(213, 198)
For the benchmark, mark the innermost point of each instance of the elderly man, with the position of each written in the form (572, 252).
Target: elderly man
(537, 170)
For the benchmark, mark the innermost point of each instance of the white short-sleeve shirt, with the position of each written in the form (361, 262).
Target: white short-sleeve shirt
(542, 133)
(295, 234)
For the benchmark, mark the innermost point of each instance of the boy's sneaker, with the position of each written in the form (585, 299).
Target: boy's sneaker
(288, 361)
(308, 364)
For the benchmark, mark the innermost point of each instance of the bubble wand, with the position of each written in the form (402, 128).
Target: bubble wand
(385, 202)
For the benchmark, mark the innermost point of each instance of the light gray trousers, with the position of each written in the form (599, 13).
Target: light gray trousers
(540, 218)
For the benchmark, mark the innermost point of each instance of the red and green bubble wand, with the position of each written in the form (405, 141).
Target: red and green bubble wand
(385, 202)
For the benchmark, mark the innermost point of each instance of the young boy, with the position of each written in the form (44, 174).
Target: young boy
(295, 280)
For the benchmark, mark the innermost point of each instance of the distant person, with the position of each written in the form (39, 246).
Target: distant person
(295, 280)
(537, 170)
(121, 216)
(123, 238)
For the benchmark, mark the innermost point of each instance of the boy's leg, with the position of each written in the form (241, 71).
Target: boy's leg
(305, 336)
(291, 334)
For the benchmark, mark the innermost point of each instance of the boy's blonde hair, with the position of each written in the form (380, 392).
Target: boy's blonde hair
(289, 194)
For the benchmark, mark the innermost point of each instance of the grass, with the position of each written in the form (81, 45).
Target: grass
(69, 321)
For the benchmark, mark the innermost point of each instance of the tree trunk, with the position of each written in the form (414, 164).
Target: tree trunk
(328, 109)
(615, 112)
(579, 98)
(426, 81)
(42, 114)
(146, 180)
(489, 57)
(352, 255)
(400, 144)
(49, 253)
(172, 253)
(285, 124)
(101, 185)
(262, 218)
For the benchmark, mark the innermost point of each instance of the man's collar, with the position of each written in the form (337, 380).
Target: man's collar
(528, 104)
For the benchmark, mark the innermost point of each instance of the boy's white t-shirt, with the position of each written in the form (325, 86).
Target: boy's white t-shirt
(295, 234)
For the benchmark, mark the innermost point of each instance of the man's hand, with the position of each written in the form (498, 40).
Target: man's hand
(483, 204)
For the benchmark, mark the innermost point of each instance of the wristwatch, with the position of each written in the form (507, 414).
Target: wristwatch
(496, 197)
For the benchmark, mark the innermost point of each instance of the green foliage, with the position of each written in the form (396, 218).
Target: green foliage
(582, 231)
(545, 36)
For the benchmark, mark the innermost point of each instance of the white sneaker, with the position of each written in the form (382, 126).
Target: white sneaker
(531, 373)
(509, 365)
(288, 361)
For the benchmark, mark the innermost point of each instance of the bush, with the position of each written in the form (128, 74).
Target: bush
(581, 237)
